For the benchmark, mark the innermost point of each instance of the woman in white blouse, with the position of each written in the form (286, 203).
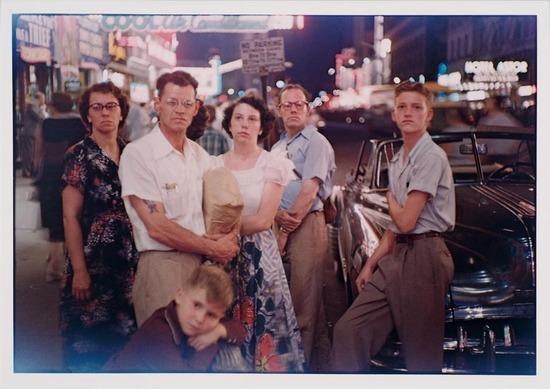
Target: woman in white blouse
(263, 301)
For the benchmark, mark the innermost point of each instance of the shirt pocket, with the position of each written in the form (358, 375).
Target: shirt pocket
(173, 200)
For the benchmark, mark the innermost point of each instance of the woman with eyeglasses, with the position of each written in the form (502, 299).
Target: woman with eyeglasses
(97, 315)
(263, 303)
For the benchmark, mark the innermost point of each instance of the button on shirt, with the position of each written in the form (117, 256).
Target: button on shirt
(427, 170)
(312, 156)
(152, 169)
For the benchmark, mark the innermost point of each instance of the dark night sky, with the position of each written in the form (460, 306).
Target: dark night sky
(312, 49)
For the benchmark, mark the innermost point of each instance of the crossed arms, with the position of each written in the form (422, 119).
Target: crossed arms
(220, 248)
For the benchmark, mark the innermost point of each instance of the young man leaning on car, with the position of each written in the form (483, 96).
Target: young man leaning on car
(404, 283)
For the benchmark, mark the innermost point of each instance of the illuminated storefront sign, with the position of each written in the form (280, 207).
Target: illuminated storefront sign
(35, 54)
(72, 86)
(506, 71)
(33, 34)
(90, 41)
(157, 51)
(130, 41)
(35, 30)
(241, 23)
(146, 22)
(213, 23)
(117, 52)
(66, 46)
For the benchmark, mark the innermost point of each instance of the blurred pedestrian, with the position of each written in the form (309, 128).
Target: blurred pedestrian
(264, 304)
(504, 152)
(161, 176)
(495, 115)
(404, 282)
(213, 141)
(97, 316)
(138, 121)
(35, 113)
(59, 131)
(300, 216)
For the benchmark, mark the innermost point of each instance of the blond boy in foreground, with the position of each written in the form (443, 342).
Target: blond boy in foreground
(184, 335)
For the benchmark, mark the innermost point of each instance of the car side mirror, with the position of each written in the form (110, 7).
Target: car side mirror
(466, 148)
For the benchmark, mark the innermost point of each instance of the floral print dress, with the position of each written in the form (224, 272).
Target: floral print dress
(263, 302)
(95, 329)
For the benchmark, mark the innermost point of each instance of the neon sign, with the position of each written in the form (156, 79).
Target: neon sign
(484, 71)
(210, 23)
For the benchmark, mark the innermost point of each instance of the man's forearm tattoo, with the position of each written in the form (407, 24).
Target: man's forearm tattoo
(151, 205)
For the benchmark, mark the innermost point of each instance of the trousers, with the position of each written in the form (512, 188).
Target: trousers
(407, 292)
(159, 275)
(26, 146)
(306, 250)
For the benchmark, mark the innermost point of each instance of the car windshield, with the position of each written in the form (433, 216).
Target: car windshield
(501, 158)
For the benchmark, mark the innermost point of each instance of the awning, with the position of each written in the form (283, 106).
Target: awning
(36, 55)
(134, 71)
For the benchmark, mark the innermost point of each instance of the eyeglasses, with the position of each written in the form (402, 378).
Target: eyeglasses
(98, 107)
(298, 104)
(173, 103)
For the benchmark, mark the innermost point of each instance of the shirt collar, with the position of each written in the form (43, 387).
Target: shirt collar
(161, 146)
(171, 317)
(307, 132)
(420, 145)
(178, 336)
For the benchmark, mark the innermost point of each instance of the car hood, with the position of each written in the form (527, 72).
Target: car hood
(493, 243)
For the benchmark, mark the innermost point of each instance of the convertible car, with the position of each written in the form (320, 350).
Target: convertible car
(490, 315)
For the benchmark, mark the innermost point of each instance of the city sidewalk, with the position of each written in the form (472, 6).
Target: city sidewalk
(37, 346)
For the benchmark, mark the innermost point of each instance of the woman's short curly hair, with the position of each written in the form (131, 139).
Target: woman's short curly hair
(267, 118)
(103, 87)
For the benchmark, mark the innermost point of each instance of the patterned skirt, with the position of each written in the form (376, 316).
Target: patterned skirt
(264, 306)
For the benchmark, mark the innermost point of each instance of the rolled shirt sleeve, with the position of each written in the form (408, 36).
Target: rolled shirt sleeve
(319, 163)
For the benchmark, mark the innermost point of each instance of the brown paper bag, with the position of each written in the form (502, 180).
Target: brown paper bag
(222, 201)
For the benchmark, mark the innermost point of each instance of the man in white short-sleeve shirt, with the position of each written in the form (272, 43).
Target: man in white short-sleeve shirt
(161, 175)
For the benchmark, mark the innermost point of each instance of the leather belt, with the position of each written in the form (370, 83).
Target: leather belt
(409, 238)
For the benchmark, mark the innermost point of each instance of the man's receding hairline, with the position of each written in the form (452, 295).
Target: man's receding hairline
(291, 89)
(181, 86)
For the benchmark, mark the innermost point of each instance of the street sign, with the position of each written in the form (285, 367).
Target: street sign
(263, 56)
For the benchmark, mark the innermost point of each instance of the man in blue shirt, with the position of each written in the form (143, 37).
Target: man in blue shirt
(213, 141)
(301, 211)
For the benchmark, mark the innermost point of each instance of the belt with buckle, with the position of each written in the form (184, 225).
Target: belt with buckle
(409, 238)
